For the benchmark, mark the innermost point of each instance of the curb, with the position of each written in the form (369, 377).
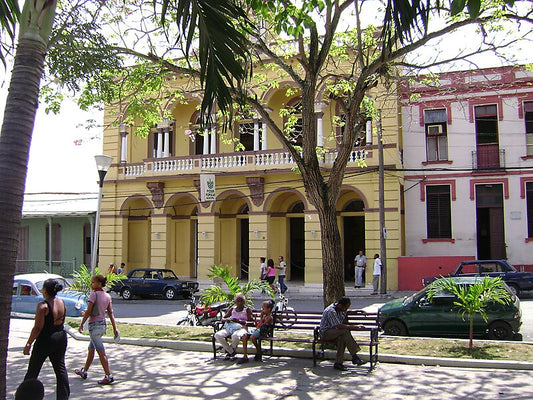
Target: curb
(330, 354)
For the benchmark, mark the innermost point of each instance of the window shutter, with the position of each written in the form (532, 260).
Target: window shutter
(438, 207)
(529, 197)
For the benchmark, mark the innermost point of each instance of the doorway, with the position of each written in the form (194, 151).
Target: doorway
(354, 240)
(244, 228)
(490, 222)
(297, 249)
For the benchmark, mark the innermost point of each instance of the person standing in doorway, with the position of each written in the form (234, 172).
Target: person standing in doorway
(360, 265)
(376, 274)
(282, 268)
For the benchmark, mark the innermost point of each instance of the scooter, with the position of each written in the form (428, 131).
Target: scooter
(201, 315)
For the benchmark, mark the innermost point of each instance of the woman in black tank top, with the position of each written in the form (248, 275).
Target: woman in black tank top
(50, 338)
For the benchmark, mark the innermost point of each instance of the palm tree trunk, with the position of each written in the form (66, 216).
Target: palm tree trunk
(471, 333)
(17, 129)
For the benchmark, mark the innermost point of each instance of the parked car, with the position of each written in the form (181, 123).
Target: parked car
(416, 315)
(517, 281)
(154, 282)
(27, 294)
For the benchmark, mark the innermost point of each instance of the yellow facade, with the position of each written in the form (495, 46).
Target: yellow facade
(152, 214)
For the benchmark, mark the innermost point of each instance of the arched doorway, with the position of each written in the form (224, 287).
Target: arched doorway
(137, 227)
(297, 241)
(352, 215)
(286, 231)
(182, 235)
(233, 232)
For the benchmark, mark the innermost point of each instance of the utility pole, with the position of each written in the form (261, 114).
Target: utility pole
(382, 230)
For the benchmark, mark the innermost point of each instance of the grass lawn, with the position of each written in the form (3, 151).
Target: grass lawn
(451, 348)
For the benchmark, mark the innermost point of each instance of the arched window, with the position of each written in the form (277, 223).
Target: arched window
(293, 122)
(355, 206)
(296, 208)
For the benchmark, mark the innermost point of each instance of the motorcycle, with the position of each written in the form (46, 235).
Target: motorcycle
(201, 315)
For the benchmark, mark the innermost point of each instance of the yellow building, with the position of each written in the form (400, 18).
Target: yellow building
(152, 214)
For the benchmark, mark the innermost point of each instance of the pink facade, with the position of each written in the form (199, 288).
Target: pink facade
(468, 155)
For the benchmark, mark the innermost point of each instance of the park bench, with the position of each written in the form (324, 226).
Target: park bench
(308, 323)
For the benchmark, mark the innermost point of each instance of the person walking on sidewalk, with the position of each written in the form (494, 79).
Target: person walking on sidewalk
(334, 326)
(376, 274)
(360, 265)
(50, 338)
(282, 271)
(271, 274)
(262, 268)
(99, 302)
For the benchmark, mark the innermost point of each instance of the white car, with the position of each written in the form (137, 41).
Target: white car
(27, 294)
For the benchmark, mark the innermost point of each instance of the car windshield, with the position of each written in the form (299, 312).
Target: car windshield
(61, 281)
(168, 274)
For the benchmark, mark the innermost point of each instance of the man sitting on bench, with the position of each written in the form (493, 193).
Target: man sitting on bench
(334, 327)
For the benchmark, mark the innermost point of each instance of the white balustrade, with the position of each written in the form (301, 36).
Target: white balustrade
(135, 170)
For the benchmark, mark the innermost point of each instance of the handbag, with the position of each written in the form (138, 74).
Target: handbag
(232, 327)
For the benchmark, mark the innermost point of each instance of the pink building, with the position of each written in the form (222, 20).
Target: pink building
(468, 155)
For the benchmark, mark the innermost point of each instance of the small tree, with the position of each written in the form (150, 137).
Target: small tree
(82, 279)
(217, 293)
(472, 299)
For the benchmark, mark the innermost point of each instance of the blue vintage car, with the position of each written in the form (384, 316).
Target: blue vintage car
(27, 294)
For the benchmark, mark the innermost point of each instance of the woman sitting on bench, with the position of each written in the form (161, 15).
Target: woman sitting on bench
(235, 322)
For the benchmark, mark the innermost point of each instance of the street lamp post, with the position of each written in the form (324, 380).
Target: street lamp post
(102, 164)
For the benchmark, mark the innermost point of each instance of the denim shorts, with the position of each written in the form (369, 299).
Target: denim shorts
(96, 331)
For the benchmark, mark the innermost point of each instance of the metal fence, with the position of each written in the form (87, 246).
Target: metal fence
(63, 268)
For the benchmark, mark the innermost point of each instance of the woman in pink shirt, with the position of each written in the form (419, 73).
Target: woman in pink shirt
(271, 273)
(99, 302)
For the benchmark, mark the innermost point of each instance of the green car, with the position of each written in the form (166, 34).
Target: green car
(416, 315)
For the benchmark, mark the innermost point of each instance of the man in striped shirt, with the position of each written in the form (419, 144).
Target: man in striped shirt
(334, 326)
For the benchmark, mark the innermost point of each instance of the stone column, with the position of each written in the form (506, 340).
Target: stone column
(123, 130)
(257, 140)
(319, 106)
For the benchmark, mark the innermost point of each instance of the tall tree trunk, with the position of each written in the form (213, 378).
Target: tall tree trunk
(332, 262)
(17, 129)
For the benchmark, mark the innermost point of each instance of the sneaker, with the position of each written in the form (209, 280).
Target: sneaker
(231, 355)
(243, 360)
(339, 367)
(357, 361)
(81, 372)
(108, 380)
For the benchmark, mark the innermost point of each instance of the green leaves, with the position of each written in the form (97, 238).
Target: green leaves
(82, 279)
(215, 293)
(472, 299)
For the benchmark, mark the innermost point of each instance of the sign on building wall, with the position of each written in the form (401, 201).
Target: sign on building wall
(207, 187)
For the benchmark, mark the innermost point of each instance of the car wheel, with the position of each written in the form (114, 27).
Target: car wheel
(395, 327)
(500, 330)
(170, 293)
(514, 289)
(125, 293)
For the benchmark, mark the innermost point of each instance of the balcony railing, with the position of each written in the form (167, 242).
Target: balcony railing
(488, 157)
(248, 161)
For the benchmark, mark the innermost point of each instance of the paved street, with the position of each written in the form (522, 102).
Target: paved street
(155, 373)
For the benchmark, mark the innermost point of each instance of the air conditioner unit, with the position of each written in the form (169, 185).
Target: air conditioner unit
(434, 129)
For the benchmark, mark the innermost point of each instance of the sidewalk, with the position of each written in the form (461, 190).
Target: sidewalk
(158, 373)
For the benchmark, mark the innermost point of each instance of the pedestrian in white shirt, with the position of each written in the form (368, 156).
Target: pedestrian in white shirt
(360, 265)
(377, 273)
